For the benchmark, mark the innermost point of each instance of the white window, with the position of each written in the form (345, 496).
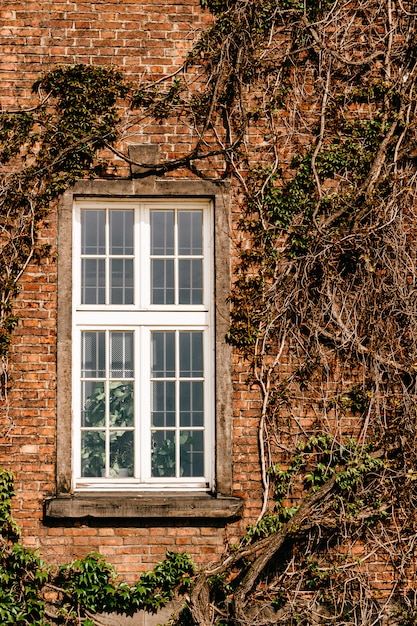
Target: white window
(143, 393)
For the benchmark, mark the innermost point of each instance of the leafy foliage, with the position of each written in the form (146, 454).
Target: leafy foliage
(45, 150)
(322, 95)
(91, 584)
(31, 593)
(323, 306)
(9, 529)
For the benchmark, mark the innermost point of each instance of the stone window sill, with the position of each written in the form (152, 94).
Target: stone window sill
(142, 506)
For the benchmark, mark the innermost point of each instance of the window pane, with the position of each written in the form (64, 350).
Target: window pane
(92, 232)
(93, 404)
(121, 453)
(93, 453)
(121, 404)
(162, 281)
(163, 453)
(163, 404)
(121, 232)
(190, 281)
(191, 404)
(191, 354)
(121, 355)
(121, 277)
(163, 354)
(192, 453)
(190, 234)
(93, 289)
(162, 232)
(93, 358)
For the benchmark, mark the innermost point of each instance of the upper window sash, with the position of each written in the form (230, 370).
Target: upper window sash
(152, 255)
(176, 256)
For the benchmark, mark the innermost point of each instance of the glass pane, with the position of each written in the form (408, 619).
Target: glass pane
(121, 281)
(191, 404)
(190, 234)
(93, 404)
(163, 404)
(163, 453)
(121, 232)
(92, 232)
(191, 354)
(191, 453)
(93, 289)
(93, 357)
(162, 232)
(93, 453)
(121, 404)
(162, 281)
(121, 453)
(121, 355)
(163, 354)
(190, 281)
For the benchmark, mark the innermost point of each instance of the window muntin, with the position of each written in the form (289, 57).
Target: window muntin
(147, 341)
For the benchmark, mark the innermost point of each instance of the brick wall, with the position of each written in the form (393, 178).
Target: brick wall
(148, 40)
(145, 40)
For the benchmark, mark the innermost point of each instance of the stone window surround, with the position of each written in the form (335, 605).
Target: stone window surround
(218, 505)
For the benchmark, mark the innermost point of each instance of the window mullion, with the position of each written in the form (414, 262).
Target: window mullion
(107, 401)
(143, 258)
(177, 406)
(107, 260)
(176, 265)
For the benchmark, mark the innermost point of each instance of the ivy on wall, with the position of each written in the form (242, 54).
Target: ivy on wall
(311, 109)
(32, 593)
(43, 151)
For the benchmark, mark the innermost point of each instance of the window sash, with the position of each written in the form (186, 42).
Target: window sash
(145, 426)
(100, 264)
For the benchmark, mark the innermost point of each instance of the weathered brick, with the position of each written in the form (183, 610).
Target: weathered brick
(145, 40)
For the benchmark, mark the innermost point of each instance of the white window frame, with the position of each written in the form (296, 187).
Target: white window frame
(143, 318)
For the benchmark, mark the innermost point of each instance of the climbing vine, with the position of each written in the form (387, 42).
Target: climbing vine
(310, 108)
(43, 151)
(315, 107)
(32, 593)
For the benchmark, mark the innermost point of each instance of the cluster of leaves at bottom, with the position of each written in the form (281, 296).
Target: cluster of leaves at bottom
(90, 584)
(77, 591)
